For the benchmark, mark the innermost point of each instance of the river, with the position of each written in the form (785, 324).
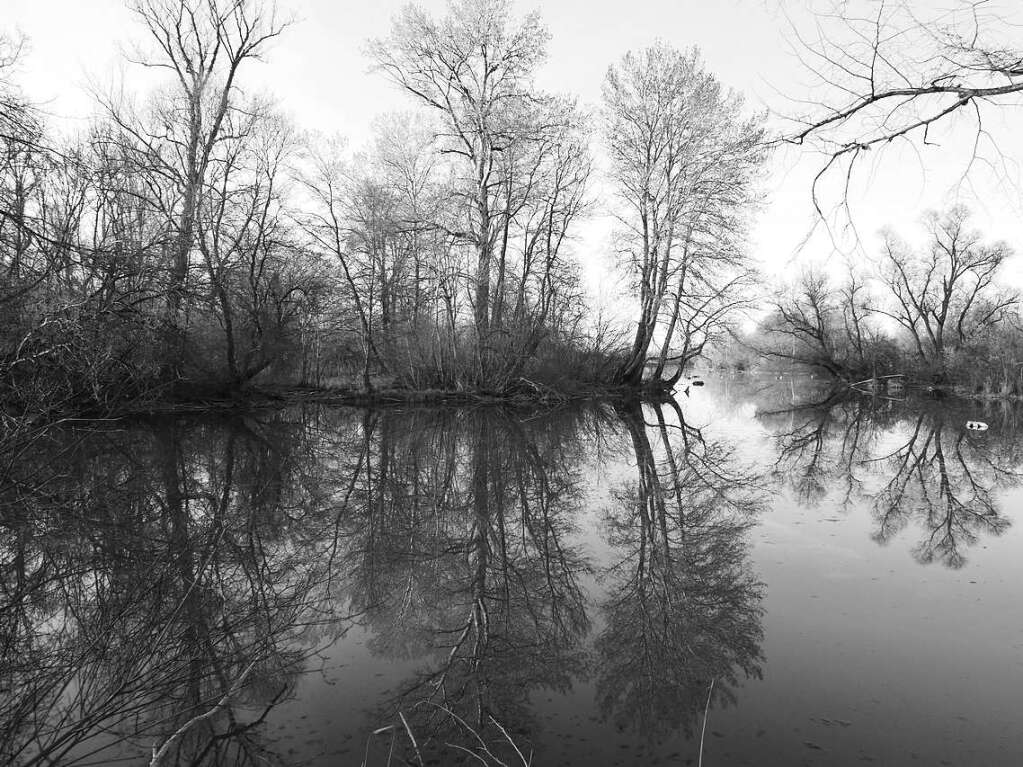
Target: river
(758, 573)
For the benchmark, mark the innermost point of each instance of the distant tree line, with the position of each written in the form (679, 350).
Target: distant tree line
(936, 314)
(193, 239)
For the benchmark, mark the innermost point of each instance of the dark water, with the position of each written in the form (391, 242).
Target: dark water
(753, 573)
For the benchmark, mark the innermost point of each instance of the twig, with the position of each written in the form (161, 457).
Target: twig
(411, 737)
(159, 755)
(706, 710)
(508, 737)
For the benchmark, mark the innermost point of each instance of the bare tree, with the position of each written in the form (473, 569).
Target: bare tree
(474, 67)
(18, 122)
(344, 220)
(21, 170)
(546, 185)
(816, 323)
(683, 163)
(257, 275)
(802, 325)
(946, 293)
(203, 44)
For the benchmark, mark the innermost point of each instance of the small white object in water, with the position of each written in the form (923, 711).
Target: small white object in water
(976, 425)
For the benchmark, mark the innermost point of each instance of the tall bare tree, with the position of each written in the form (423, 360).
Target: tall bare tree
(203, 45)
(683, 162)
(474, 67)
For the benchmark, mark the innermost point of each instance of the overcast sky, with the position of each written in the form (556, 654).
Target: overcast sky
(320, 76)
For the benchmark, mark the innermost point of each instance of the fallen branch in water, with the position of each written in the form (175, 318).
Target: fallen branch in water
(411, 737)
(706, 711)
(158, 755)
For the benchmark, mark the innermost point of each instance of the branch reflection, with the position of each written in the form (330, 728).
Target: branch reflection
(916, 466)
(155, 580)
(166, 585)
(465, 537)
(684, 607)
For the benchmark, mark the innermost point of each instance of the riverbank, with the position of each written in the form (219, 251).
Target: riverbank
(272, 397)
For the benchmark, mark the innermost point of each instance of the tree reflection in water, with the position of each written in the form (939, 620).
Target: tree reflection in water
(167, 583)
(916, 465)
(465, 564)
(683, 608)
(146, 572)
(484, 578)
(170, 582)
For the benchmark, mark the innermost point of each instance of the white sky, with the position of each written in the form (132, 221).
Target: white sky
(319, 75)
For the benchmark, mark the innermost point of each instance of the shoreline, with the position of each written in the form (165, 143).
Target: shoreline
(277, 397)
(198, 400)
(911, 386)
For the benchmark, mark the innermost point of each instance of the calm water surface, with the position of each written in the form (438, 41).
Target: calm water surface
(760, 574)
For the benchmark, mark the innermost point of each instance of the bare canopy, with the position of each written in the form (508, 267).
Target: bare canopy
(889, 71)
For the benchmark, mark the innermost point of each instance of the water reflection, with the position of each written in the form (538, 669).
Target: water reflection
(166, 584)
(155, 582)
(682, 612)
(169, 587)
(914, 464)
(462, 529)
